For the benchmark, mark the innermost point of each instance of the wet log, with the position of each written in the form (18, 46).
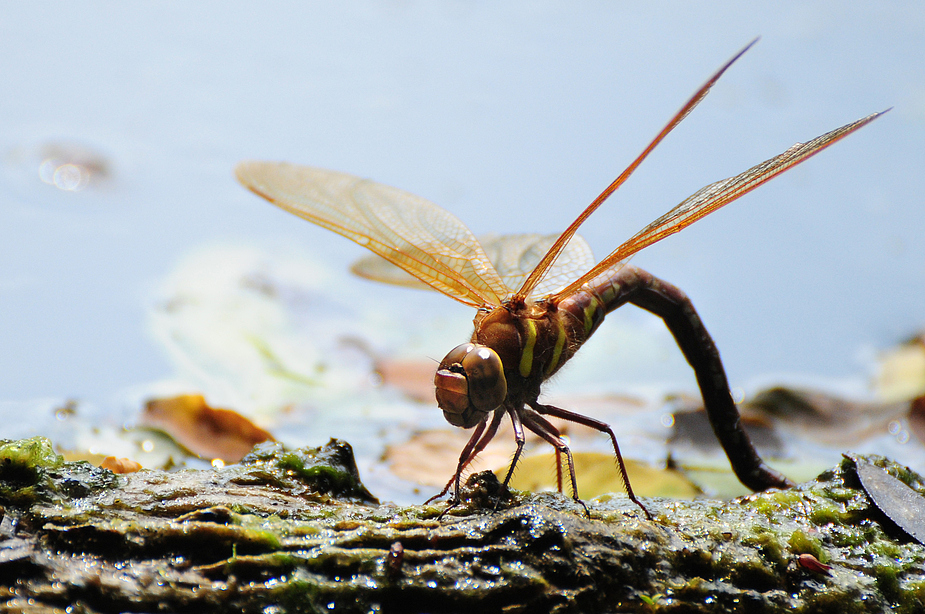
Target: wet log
(296, 531)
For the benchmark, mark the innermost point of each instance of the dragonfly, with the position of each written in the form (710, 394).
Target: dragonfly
(530, 321)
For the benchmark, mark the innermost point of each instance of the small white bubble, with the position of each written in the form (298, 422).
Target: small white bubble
(738, 395)
(71, 177)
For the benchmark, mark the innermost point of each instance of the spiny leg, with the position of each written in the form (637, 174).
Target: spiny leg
(479, 429)
(542, 427)
(489, 434)
(676, 310)
(602, 427)
(480, 438)
(558, 471)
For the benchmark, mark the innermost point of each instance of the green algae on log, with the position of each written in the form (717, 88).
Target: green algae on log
(295, 531)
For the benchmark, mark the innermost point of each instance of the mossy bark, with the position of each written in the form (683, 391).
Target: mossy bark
(295, 531)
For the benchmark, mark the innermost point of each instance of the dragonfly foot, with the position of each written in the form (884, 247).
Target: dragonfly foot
(451, 503)
(584, 506)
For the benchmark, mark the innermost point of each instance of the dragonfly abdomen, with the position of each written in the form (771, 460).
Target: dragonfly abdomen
(581, 313)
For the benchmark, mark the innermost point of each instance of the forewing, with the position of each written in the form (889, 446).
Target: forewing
(548, 260)
(710, 198)
(409, 231)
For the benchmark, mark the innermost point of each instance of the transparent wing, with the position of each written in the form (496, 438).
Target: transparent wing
(529, 284)
(516, 256)
(409, 231)
(710, 198)
(513, 257)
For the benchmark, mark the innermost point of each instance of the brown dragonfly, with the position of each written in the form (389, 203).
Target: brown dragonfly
(530, 322)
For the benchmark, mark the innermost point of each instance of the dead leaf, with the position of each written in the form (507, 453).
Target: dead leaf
(831, 420)
(206, 431)
(901, 504)
(415, 378)
(917, 417)
(693, 427)
(430, 457)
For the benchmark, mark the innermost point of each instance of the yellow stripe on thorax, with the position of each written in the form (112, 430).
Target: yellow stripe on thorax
(526, 358)
(557, 350)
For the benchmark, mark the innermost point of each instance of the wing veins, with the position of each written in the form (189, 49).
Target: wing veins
(408, 231)
(713, 196)
(537, 274)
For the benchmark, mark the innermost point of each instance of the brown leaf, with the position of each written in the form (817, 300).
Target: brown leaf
(429, 458)
(207, 431)
(917, 417)
(415, 378)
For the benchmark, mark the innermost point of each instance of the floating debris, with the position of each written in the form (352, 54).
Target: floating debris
(209, 432)
(901, 504)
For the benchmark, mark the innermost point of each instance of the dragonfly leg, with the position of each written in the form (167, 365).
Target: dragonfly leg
(602, 427)
(558, 471)
(463, 459)
(545, 429)
(480, 438)
(676, 310)
(519, 439)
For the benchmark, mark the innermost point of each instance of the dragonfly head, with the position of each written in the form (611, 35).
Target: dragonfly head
(470, 383)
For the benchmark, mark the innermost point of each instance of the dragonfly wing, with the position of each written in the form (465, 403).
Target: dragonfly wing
(710, 198)
(513, 257)
(529, 284)
(574, 260)
(409, 231)
(379, 269)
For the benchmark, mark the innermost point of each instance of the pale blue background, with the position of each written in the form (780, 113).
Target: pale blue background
(512, 115)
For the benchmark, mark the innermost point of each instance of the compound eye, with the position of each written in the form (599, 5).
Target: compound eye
(485, 376)
(456, 356)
